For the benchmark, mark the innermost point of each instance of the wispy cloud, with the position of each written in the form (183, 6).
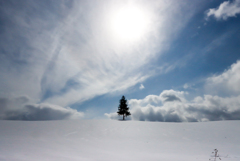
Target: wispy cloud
(62, 53)
(103, 65)
(217, 42)
(225, 10)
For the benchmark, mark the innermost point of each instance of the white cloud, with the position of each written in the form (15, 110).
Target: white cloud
(227, 82)
(20, 109)
(141, 87)
(225, 10)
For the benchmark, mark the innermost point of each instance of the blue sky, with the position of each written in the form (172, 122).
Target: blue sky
(75, 59)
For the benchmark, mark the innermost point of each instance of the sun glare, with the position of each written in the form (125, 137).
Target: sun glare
(129, 23)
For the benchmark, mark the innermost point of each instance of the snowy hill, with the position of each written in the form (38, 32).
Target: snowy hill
(108, 140)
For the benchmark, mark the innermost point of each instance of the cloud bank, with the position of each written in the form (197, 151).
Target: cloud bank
(172, 106)
(178, 109)
(225, 10)
(20, 109)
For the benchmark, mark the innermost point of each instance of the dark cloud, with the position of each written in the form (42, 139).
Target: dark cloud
(215, 114)
(19, 109)
(171, 95)
(171, 117)
(6, 103)
(147, 115)
(170, 98)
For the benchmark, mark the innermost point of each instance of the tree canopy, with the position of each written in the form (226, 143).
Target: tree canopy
(123, 108)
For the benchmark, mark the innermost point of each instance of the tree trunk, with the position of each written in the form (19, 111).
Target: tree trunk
(123, 117)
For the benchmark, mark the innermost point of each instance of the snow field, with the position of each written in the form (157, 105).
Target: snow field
(109, 140)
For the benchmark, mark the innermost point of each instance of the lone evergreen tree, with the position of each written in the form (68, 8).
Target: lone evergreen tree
(123, 108)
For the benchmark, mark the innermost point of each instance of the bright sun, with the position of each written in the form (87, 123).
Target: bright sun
(129, 23)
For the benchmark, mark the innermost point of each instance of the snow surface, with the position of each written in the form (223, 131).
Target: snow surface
(109, 140)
